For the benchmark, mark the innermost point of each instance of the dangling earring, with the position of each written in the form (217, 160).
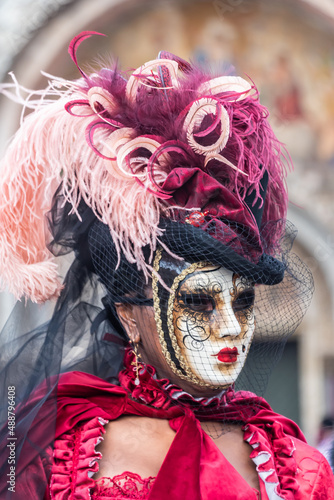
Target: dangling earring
(243, 348)
(137, 364)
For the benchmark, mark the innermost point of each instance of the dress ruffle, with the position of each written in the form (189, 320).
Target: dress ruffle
(287, 467)
(75, 461)
(161, 393)
(273, 455)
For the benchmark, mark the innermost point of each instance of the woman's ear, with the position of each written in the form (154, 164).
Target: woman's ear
(125, 314)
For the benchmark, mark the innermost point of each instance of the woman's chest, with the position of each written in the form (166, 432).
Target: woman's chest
(229, 439)
(140, 445)
(145, 458)
(135, 444)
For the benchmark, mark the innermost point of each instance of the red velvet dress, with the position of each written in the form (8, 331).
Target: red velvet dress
(194, 468)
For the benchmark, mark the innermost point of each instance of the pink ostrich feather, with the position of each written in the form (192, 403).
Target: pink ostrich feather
(26, 188)
(51, 148)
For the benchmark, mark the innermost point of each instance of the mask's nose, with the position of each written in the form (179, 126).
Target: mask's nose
(225, 322)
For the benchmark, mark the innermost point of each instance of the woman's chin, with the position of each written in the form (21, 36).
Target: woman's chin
(204, 387)
(208, 384)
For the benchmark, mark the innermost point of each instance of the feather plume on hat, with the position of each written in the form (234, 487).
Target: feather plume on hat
(130, 149)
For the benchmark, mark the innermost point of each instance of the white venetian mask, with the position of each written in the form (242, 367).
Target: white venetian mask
(210, 322)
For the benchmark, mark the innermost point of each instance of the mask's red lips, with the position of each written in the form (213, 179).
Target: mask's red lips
(227, 355)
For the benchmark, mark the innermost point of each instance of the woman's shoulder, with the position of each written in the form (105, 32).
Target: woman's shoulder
(314, 473)
(301, 469)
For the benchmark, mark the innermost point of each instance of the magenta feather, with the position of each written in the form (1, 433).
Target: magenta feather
(81, 103)
(74, 45)
(167, 147)
(213, 125)
(89, 134)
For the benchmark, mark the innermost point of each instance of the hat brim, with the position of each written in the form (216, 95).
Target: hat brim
(193, 245)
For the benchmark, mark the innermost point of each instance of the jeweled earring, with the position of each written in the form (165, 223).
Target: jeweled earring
(136, 363)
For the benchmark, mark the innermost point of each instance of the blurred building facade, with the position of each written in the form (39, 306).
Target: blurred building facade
(287, 48)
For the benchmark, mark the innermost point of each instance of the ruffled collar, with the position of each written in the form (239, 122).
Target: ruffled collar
(273, 447)
(161, 393)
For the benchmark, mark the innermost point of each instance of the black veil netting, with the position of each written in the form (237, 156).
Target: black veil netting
(85, 334)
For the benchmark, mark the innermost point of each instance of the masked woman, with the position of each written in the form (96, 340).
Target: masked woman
(170, 188)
